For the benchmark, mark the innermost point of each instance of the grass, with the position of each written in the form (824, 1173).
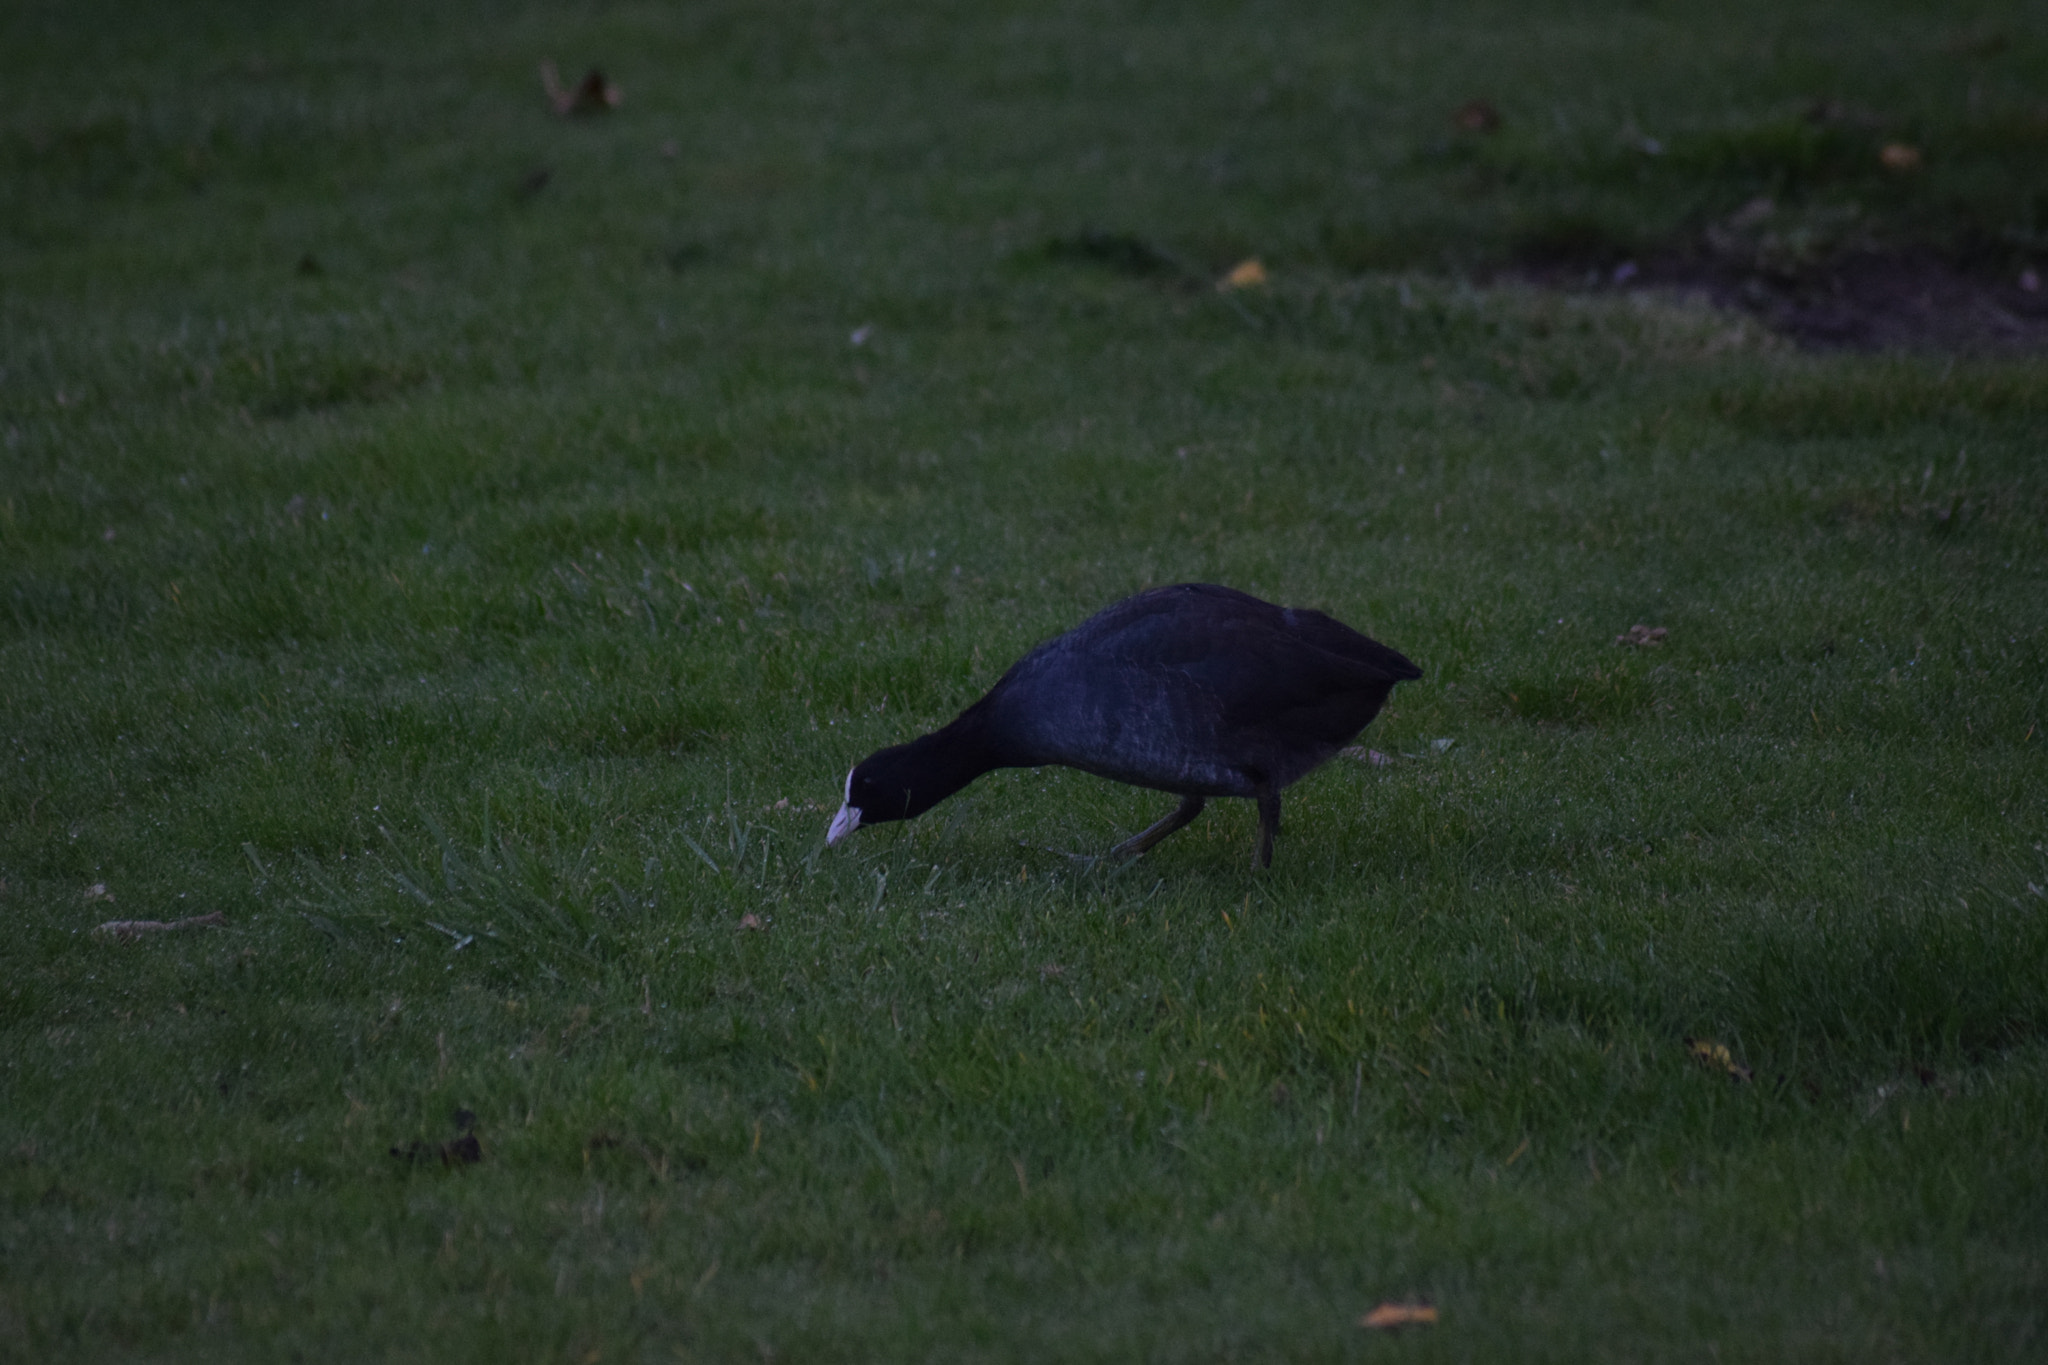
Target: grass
(475, 584)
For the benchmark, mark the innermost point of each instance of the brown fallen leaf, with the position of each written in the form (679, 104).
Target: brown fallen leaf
(128, 930)
(592, 95)
(1249, 273)
(1716, 1057)
(1389, 1315)
(1642, 635)
(1477, 116)
(1900, 156)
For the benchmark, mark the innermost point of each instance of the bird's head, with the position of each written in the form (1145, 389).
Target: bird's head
(879, 789)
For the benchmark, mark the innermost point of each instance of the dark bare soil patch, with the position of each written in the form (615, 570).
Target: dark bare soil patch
(1872, 300)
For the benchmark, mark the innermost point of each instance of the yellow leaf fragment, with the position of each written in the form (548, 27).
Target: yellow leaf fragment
(1249, 273)
(1716, 1057)
(1389, 1315)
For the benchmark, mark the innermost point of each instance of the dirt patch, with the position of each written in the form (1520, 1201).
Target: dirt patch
(1863, 301)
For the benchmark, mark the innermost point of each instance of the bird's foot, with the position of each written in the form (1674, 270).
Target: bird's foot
(1142, 842)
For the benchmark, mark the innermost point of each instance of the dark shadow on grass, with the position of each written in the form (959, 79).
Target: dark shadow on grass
(1841, 296)
(276, 386)
(1599, 696)
(1875, 400)
(1120, 253)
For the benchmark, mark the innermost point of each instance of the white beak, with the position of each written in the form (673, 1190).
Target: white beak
(843, 824)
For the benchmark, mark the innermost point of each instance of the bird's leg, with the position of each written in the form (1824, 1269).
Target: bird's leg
(1269, 825)
(1190, 807)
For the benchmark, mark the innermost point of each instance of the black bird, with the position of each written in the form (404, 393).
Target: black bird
(1194, 689)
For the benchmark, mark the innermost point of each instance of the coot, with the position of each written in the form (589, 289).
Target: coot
(1194, 689)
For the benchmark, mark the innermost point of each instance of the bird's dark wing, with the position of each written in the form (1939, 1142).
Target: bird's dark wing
(1237, 644)
(1264, 679)
(1334, 637)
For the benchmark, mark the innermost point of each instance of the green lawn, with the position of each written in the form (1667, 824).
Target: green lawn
(466, 548)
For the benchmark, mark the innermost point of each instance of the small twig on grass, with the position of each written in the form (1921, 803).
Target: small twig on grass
(128, 930)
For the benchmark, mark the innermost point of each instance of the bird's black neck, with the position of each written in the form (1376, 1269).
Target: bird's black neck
(932, 768)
